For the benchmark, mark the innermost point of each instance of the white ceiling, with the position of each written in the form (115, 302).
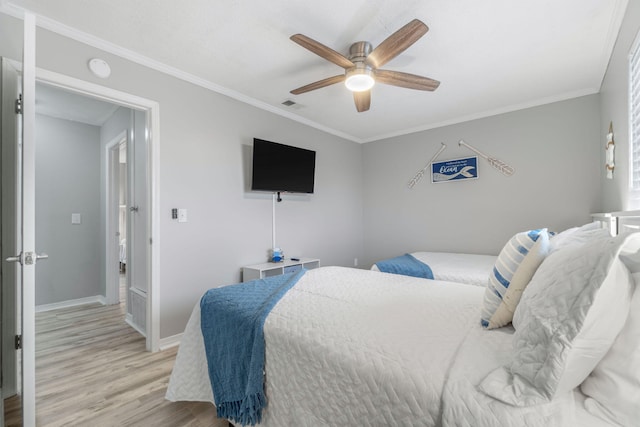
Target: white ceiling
(491, 56)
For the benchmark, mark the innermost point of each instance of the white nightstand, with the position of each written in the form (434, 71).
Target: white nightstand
(268, 269)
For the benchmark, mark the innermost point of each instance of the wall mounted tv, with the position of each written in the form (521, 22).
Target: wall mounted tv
(282, 168)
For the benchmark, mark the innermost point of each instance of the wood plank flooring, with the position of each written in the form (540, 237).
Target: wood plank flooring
(92, 370)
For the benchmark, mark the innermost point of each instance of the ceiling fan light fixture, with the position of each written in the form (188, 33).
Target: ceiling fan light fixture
(359, 79)
(362, 67)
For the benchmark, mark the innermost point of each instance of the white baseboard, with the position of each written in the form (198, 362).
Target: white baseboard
(168, 342)
(129, 319)
(72, 303)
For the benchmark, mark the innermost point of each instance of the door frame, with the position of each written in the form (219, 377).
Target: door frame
(112, 201)
(152, 109)
(28, 222)
(11, 241)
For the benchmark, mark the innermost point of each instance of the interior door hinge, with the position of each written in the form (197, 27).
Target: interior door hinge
(19, 105)
(18, 342)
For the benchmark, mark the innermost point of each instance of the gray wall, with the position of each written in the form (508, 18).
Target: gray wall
(614, 107)
(555, 150)
(204, 155)
(67, 181)
(202, 158)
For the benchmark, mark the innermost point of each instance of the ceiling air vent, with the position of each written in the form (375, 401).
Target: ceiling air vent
(288, 103)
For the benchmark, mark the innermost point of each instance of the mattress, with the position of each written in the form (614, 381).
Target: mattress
(471, 269)
(355, 347)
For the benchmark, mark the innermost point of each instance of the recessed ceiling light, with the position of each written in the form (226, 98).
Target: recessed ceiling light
(100, 68)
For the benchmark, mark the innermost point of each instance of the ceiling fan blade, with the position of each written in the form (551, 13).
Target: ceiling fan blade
(319, 84)
(397, 43)
(410, 81)
(363, 100)
(322, 50)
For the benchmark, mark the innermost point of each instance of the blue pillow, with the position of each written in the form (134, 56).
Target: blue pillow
(517, 252)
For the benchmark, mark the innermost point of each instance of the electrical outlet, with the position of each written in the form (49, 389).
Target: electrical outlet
(174, 213)
(355, 262)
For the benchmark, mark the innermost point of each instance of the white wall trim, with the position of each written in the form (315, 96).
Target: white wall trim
(28, 221)
(100, 299)
(153, 116)
(169, 342)
(139, 292)
(88, 39)
(129, 319)
(153, 296)
(488, 113)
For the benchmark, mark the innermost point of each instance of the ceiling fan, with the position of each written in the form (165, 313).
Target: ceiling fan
(362, 67)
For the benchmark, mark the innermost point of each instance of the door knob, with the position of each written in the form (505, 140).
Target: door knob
(17, 258)
(27, 258)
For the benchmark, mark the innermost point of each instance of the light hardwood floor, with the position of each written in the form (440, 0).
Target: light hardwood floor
(92, 370)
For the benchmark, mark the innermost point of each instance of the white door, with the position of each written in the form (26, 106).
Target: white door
(25, 252)
(10, 231)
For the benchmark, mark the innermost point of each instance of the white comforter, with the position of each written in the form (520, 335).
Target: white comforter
(472, 269)
(357, 348)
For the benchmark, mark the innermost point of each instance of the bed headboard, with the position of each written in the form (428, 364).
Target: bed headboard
(618, 222)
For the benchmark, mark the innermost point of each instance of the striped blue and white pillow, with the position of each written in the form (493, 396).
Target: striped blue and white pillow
(518, 253)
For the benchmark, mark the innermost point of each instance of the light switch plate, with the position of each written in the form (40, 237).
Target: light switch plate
(76, 218)
(182, 215)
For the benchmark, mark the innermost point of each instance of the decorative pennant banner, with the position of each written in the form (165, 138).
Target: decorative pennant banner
(454, 170)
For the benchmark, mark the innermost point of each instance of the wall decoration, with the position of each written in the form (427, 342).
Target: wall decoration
(504, 168)
(454, 170)
(421, 172)
(609, 148)
(458, 169)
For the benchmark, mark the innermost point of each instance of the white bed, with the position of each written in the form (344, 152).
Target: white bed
(471, 269)
(474, 269)
(356, 347)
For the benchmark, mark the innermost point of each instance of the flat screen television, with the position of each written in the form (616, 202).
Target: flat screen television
(282, 168)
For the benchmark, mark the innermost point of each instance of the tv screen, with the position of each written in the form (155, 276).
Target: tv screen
(282, 168)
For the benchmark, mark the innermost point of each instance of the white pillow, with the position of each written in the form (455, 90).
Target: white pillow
(614, 385)
(567, 320)
(577, 235)
(514, 267)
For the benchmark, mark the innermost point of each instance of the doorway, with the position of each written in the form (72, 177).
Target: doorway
(141, 207)
(86, 178)
(147, 114)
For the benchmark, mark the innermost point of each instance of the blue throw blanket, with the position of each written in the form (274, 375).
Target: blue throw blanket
(407, 265)
(232, 320)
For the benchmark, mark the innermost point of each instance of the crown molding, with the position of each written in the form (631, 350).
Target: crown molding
(106, 46)
(72, 33)
(487, 113)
